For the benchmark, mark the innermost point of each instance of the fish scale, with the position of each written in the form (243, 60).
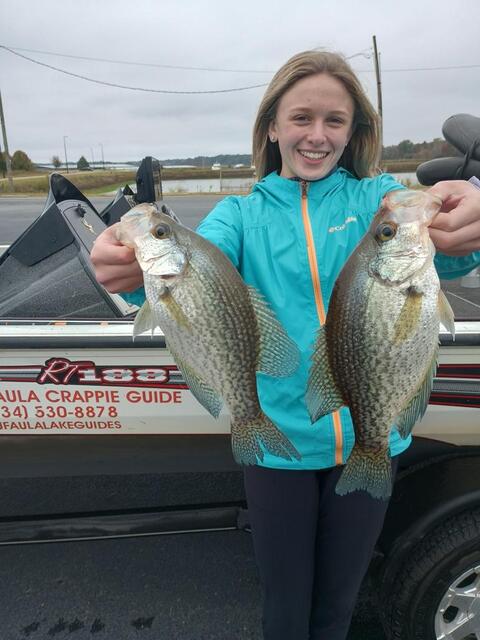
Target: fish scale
(376, 353)
(210, 349)
(220, 332)
(382, 308)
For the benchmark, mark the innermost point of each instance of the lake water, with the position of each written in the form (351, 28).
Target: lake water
(238, 185)
(208, 185)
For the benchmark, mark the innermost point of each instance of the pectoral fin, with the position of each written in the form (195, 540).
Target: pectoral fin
(418, 404)
(446, 313)
(323, 395)
(407, 322)
(279, 355)
(175, 310)
(144, 320)
(205, 394)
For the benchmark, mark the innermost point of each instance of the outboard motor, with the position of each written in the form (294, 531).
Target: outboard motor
(149, 189)
(47, 273)
(463, 132)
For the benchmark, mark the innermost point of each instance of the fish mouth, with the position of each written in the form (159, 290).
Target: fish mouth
(404, 206)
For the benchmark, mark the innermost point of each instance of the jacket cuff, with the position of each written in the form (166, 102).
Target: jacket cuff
(451, 267)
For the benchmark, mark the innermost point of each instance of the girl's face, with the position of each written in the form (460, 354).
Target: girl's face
(313, 125)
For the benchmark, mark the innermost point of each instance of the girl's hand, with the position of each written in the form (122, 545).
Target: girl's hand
(455, 231)
(116, 267)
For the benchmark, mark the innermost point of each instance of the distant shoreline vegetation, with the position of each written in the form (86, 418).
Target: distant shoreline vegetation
(97, 181)
(33, 179)
(406, 150)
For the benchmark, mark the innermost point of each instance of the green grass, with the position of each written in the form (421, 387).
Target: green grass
(106, 190)
(99, 182)
(399, 166)
(84, 180)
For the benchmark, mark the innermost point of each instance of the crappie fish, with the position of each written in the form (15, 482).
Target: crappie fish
(219, 330)
(377, 352)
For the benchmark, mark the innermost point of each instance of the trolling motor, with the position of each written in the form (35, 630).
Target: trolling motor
(463, 132)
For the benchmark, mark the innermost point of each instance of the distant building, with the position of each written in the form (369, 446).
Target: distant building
(238, 166)
(216, 166)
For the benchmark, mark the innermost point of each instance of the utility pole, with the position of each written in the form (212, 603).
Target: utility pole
(5, 146)
(379, 90)
(103, 159)
(65, 149)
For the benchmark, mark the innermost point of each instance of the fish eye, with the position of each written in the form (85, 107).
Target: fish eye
(385, 231)
(160, 231)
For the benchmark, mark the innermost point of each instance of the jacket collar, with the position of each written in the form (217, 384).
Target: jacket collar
(277, 185)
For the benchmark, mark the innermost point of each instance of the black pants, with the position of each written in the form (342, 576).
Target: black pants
(312, 549)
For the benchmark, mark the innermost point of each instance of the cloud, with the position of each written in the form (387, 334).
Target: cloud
(42, 105)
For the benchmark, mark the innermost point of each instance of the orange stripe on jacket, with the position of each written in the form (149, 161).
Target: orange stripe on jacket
(312, 259)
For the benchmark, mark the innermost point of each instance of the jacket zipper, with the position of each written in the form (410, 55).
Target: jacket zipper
(312, 259)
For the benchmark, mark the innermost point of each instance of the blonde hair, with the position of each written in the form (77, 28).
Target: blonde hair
(362, 152)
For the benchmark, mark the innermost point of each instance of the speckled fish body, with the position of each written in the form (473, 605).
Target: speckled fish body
(377, 351)
(219, 331)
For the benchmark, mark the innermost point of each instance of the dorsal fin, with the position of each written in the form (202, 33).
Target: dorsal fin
(279, 355)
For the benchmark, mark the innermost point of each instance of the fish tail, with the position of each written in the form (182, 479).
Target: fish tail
(250, 439)
(367, 469)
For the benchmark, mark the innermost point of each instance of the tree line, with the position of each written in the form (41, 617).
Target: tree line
(421, 151)
(21, 162)
(404, 150)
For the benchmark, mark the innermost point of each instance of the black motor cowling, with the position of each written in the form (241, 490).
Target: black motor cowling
(463, 132)
(47, 273)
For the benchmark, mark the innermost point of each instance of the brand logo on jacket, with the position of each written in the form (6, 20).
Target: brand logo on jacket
(343, 226)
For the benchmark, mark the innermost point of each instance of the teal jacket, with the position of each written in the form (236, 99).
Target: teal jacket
(290, 242)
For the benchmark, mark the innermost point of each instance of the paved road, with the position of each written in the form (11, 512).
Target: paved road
(16, 214)
(185, 587)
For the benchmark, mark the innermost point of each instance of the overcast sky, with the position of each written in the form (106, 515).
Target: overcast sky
(42, 105)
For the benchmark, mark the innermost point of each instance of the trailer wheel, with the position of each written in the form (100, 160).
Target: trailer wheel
(436, 594)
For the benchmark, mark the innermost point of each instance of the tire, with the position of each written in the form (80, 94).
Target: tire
(444, 565)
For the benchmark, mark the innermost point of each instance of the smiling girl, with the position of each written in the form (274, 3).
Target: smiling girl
(315, 148)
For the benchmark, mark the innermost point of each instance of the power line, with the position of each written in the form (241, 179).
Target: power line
(137, 64)
(156, 64)
(460, 66)
(122, 86)
(224, 70)
(209, 91)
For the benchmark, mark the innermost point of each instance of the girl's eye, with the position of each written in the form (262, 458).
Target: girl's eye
(300, 118)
